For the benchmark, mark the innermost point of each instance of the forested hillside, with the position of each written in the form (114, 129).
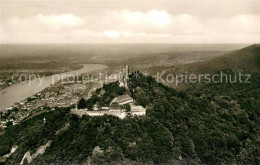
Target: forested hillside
(211, 125)
(245, 60)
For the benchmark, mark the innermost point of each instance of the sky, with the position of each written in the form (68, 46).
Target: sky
(129, 21)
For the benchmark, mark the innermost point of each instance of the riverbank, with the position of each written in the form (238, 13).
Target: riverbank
(20, 91)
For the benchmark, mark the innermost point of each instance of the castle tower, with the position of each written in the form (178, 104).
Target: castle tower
(123, 80)
(123, 74)
(126, 76)
(127, 71)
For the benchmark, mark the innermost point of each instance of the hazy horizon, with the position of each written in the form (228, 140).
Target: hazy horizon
(109, 49)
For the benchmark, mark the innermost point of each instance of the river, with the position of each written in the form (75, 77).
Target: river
(20, 91)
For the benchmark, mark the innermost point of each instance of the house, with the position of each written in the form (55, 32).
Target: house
(137, 110)
(9, 108)
(105, 108)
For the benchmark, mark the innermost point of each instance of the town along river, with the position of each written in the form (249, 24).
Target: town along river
(20, 91)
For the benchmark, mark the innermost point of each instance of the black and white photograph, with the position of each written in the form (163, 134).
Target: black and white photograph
(130, 82)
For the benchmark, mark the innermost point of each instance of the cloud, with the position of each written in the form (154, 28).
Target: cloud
(62, 20)
(130, 26)
(151, 18)
(248, 24)
(111, 34)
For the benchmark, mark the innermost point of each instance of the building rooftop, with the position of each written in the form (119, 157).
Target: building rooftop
(123, 98)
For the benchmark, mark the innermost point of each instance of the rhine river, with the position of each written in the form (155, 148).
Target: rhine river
(20, 91)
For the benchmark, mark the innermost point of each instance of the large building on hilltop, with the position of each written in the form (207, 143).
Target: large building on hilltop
(114, 109)
(121, 113)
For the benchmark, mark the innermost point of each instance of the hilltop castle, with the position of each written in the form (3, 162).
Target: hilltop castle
(115, 107)
(136, 110)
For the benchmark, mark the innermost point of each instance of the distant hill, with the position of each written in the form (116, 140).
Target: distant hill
(246, 59)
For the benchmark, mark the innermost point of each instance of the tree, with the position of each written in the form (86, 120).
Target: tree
(9, 123)
(82, 103)
(127, 108)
